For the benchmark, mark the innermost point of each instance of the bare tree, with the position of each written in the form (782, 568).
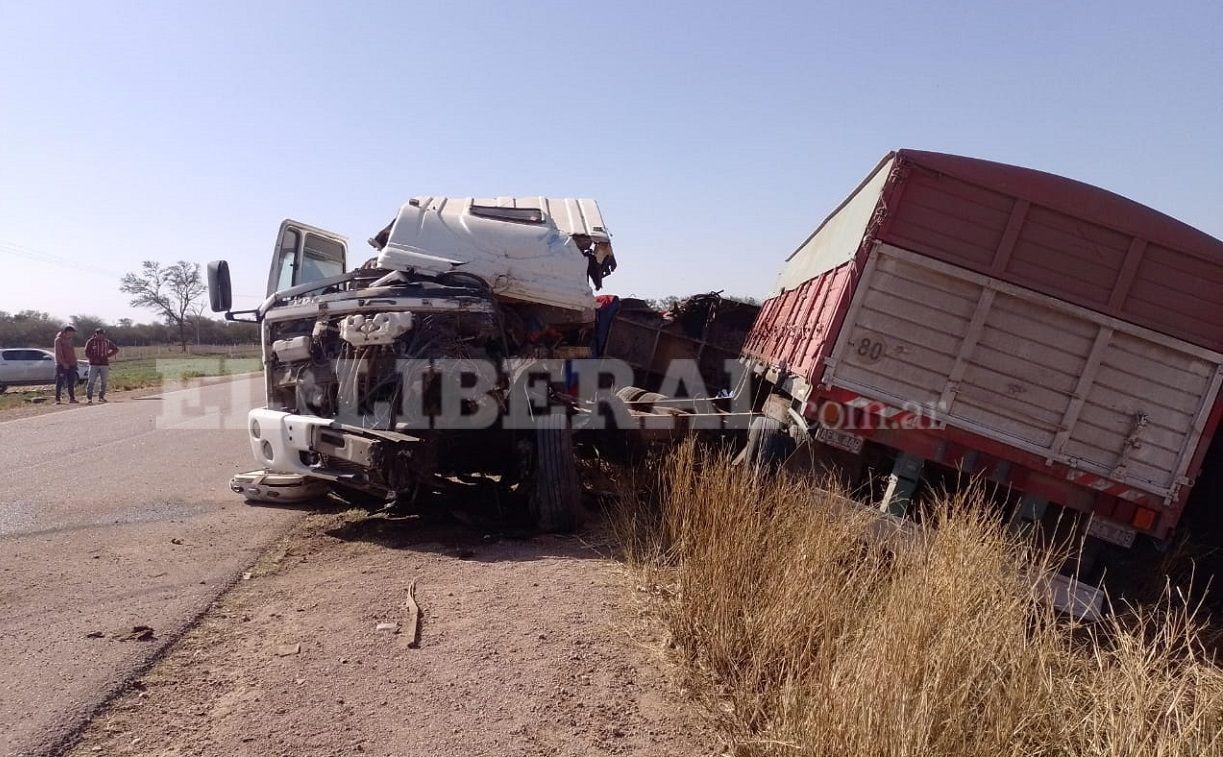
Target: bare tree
(169, 290)
(197, 319)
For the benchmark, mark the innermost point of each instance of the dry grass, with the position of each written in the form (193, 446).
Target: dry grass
(815, 640)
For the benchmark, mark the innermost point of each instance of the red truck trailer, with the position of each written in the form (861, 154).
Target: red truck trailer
(1049, 335)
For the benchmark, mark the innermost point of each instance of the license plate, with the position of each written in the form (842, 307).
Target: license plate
(839, 439)
(1111, 532)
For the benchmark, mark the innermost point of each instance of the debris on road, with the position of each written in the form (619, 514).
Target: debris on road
(287, 650)
(391, 627)
(137, 633)
(176, 540)
(413, 618)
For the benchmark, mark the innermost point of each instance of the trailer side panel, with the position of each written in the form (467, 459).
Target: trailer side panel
(795, 330)
(1067, 383)
(1063, 238)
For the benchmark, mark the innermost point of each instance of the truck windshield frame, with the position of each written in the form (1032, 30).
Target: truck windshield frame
(321, 258)
(286, 259)
(304, 256)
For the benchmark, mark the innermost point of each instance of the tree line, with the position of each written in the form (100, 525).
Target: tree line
(34, 328)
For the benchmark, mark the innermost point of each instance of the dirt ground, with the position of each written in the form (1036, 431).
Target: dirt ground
(527, 647)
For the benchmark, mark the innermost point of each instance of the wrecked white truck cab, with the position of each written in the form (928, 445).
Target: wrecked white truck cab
(420, 368)
(535, 250)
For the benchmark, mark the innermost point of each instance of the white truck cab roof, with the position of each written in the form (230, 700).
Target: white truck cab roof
(533, 249)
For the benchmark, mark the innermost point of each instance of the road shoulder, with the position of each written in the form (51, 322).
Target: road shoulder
(527, 647)
(45, 396)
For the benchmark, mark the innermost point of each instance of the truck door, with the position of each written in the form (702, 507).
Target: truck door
(304, 254)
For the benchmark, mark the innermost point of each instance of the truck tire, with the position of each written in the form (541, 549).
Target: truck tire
(3, 388)
(630, 393)
(768, 443)
(556, 492)
(642, 398)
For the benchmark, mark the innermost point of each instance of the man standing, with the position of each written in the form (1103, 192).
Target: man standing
(98, 351)
(65, 364)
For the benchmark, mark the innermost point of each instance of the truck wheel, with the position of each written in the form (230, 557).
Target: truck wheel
(768, 443)
(555, 495)
(3, 388)
(630, 393)
(642, 398)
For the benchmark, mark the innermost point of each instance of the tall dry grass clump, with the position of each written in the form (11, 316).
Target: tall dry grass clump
(820, 640)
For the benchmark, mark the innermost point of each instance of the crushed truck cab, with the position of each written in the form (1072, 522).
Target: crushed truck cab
(535, 249)
(440, 358)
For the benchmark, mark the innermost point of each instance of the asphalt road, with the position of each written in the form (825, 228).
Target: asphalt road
(114, 516)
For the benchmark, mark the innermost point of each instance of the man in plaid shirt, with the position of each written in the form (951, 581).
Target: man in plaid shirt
(98, 351)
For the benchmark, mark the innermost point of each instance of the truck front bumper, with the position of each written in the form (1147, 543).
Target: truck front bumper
(279, 440)
(277, 488)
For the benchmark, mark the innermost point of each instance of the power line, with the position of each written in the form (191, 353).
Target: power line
(22, 251)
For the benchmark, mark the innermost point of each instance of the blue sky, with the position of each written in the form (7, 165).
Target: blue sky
(715, 136)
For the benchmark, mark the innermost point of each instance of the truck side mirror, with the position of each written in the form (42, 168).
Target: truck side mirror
(220, 294)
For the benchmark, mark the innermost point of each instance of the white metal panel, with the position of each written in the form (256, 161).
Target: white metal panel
(1026, 369)
(838, 237)
(1140, 414)
(536, 262)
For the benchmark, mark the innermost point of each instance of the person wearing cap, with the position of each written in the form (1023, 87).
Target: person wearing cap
(65, 363)
(98, 351)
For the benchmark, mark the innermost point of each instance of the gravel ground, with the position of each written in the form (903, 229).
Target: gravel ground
(527, 647)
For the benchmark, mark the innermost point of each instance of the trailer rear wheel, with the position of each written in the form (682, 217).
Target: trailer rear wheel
(642, 399)
(631, 393)
(768, 443)
(556, 492)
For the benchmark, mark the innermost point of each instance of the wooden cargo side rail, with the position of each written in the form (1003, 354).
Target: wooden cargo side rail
(1107, 327)
(1079, 398)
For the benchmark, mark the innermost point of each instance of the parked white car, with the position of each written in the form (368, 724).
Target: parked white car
(26, 366)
